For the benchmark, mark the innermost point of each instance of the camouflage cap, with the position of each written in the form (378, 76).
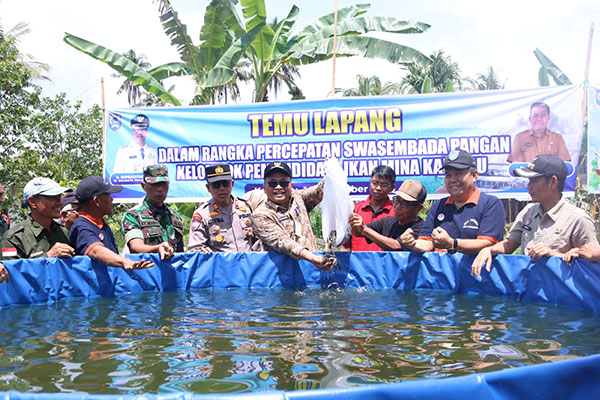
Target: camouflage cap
(156, 173)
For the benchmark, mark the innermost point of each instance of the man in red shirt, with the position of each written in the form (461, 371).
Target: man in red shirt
(375, 207)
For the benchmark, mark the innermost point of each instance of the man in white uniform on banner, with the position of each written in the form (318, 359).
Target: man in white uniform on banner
(136, 155)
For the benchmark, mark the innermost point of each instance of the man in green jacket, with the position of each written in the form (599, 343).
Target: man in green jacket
(38, 235)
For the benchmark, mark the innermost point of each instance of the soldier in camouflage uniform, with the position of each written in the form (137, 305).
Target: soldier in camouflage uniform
(152, 226)
(282, 222)
(222, 223)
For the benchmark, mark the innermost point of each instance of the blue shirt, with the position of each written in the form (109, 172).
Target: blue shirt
(481, 217)
(87, 233)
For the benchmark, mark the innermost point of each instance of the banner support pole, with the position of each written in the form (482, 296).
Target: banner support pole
(335, 20)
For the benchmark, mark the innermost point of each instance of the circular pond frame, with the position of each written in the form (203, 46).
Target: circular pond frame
(548, 280)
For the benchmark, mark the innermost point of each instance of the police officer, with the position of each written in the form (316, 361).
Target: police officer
(39, 235)
(153, 226)
(137, 154)
(222, 223)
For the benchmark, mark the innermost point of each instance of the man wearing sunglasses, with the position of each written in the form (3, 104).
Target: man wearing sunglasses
(386, 232)
(377, 206)
(222, 223)
(282, 223)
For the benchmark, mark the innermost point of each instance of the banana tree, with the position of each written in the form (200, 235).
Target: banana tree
(226, 38)
(275, 47)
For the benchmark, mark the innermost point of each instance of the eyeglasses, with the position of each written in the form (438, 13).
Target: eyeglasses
(403, 203)
(218, 184)
(283, 183)
(384, 186)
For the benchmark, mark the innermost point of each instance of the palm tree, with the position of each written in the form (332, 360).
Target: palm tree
(134, 91)
(370, 86)
(489, 80)
(37, 69)
(438, 76)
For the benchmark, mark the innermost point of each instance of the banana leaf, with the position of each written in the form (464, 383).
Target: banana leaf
(364, 46)
(551, 69)
(122, 65)
(223, 71)
(177, 33)
(350, 12)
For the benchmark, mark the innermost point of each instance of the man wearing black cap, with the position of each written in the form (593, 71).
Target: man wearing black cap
(387, 232)
(282, 222)
(466, 221)
(70, 209)
(136, 155)
(549, 225)
(90, 234)
(222, 223)
(152, 226)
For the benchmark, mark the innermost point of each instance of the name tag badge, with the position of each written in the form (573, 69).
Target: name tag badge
(526, 227)
(298, 230)
(527, 144)
(284, 218)
(37, 254)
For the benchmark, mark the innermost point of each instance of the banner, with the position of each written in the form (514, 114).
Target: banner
(412, 134)
(593, 160)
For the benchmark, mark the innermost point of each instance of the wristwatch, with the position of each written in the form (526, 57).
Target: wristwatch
(454, 248)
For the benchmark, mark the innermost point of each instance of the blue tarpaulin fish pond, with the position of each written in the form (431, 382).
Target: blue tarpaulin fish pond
(547, 281)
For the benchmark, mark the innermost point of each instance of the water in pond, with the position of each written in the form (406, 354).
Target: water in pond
(241, 340)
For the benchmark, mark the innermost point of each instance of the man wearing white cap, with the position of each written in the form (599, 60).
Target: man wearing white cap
(39, 235)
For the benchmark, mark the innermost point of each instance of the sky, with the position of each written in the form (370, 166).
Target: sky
(476, 34)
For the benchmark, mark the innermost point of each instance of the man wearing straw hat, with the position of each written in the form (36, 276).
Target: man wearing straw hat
(387, 232)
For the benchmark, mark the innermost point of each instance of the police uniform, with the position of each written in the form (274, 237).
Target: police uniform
(154, 225)
(30, 240)
(222, 228)
(133, 158)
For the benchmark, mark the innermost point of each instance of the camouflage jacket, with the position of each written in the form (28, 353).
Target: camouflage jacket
(154, 225)
(288, 230)
(222, 229)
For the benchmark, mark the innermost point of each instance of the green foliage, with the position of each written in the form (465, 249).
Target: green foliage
(548, 68)
(228, 41)
(487, 81)
(370, 86)
(41, 136)
(440, 75)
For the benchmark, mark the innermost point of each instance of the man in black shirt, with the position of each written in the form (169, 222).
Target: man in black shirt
(386, 232)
